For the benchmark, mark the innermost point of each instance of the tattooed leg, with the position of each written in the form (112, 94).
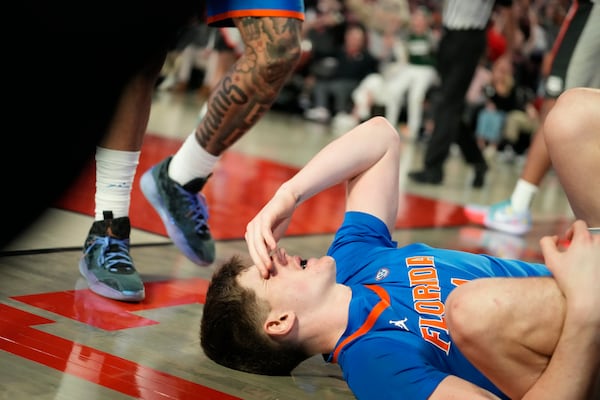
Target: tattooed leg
(247, 91)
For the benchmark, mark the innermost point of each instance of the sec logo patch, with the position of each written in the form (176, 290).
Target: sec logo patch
(382, 274)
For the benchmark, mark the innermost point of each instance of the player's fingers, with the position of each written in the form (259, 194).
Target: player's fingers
(583, 227)
(257, 249)
(251, 249)
(264, 246)
(266, 233)
(550, 250)
(264, 271)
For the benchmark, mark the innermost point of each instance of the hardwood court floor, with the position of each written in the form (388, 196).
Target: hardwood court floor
(58, 340)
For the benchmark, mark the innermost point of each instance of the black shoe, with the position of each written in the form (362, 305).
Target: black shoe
(480, 170)
(428, 175)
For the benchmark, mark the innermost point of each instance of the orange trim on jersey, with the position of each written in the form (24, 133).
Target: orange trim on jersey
(458, 282)
(255, 13)
(369, 322)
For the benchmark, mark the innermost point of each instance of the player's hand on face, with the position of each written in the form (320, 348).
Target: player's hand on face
(576, 268)
(261, 244)
(266, 228)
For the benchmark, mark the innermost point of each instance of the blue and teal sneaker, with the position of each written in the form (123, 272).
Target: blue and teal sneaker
(501, 217)
(183, 211)
(106, 263)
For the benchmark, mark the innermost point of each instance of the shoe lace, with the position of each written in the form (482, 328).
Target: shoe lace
(114, 254)
(197, 210)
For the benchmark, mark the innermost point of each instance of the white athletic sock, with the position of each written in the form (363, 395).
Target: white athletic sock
(522, 195)
(115, 170)
(191, 161)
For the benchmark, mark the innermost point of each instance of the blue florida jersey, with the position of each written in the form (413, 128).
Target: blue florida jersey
(396, 344)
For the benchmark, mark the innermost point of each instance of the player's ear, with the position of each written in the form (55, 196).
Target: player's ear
(280, 324)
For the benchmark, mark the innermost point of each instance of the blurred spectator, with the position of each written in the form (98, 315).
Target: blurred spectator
(551, 15)
(531, 45)
(382, 19)
(372, 90)
(342, 75)
(189, 53)
(416, 78)
(533, 37)
(323, 32)
(508, 110)
(324, 27)
(496, 41)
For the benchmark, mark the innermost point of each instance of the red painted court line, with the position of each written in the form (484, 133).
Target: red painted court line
(241, 185)
(17, 336)
(91, 309)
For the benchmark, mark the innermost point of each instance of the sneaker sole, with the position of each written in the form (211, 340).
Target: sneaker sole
(506, 227)
(105, 291)
(150, 191)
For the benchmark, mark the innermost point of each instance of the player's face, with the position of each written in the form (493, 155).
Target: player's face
(294, 283)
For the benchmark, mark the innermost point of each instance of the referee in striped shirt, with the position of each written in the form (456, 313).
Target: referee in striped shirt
(462, 45)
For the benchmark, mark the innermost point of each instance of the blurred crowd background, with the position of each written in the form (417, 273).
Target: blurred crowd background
(378, 57)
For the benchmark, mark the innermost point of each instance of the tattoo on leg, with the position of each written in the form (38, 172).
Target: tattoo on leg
(231, 114)
(271, 47)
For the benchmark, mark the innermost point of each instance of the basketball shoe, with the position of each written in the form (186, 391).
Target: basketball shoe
(106, 263)
(501, 217)
(183, 210)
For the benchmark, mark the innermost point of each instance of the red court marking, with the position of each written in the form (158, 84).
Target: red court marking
(89, 308)
(240, 186)
(19, 338)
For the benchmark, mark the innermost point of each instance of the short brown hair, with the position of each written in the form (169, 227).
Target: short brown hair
(231, 331)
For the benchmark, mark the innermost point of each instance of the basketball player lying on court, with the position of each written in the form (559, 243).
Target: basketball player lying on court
(411, 322)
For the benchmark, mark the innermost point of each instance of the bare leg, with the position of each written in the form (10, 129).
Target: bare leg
(536, 338)
(218, 64)
(250, 87)
(538, 162)
(127, 129)
(236, 104)
(507, 328)
(572, 133)
(106, 263)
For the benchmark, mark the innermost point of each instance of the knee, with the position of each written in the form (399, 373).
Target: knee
(462, 315)
(477, 313)
(569, 117)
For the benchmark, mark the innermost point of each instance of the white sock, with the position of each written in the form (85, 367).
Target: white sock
(191, 161)
(522, 195)
(115, 170)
